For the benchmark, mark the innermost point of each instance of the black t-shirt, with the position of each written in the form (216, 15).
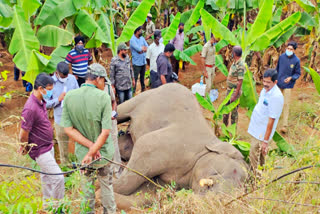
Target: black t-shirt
(164, 67)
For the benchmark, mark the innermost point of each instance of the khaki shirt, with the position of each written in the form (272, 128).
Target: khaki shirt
(209, 52)
(88, 109)
(236, 73)
(150, 28)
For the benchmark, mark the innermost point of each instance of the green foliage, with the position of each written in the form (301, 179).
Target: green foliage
(220, 65)
(249, 96)
(172, 30)
(283, 145)
(5, 15)
(29, 7)
(4, 77)
(315, 77)
(194, 16)
(136, 19)
(306, 5)
(20, 197)
(23, 40)
(195, 30)
(47, 13)
(186, 54)
(185, 16)
(53, 36)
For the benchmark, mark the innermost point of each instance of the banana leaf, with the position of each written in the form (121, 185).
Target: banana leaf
(307, 21)
(195, 30)
(87, 25)
(219, 30)
(284, 37)
(261, 21)
(23, 40)
(225, 20)
(58, 55)
(172, 30)
(64, 10)
(221, 3)
(249, 96)
(47, 12)
(205, 103)
(136, 19)
(29, 7)
(112, 36)
(276, 18)
(226, 109)
(220, 65)
(6, 15)
(184, 57)
(98, 4)
(315, 77)
(193, 50)
(80, 3)
(53, 36)
(212, 4)
(185, 16)
(306, 5)
(221, 44)
(275, 32)
(194, 16)
(37, 63)
(283, 145)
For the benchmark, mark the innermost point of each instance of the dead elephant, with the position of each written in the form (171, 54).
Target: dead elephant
(172, 141)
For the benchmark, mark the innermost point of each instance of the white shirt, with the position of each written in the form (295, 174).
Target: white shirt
(152, 54)
(270, 105)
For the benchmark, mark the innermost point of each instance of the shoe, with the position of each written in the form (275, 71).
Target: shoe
(284, 130)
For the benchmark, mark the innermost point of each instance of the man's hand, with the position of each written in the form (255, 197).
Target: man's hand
(87, 159)
(205, 74)
(22, 150)
(264, 148)
(133, 83)
(97, 155)
(288, 79)
(61, 97)
(144, 49)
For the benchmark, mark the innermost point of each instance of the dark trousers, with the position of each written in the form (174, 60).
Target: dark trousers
(139, 70)
(175, 64)
(81, 81)
(124, 95)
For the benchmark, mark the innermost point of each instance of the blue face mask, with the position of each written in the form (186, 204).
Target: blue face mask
(289, 53)
(146, 19)
(48, 94)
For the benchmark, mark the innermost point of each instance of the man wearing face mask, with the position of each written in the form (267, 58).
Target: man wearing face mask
(208, 60)
(150, 29)
(234, 81)
(79, 58)
(264, 118)
(138, 47)
(36, 129)
(86, 118)
(154, 50)
(178, 42)
(289, 71)
(121, 74)
(62, 83)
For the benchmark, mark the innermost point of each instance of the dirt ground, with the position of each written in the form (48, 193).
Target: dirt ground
(10, 111)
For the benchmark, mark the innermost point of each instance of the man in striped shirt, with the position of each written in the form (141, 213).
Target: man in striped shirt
(79, 58)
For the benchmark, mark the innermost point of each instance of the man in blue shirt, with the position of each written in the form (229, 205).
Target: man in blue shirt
(288, 72)
(62, 83)
(264, 118)
(138, 48)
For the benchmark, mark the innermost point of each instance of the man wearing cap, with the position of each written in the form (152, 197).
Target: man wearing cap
(138, 48)
(62, 83)
(86, 118)
(79, 58)
(150, 29)
(121, 74)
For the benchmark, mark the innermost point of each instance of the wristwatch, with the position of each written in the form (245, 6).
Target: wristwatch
(265, 141)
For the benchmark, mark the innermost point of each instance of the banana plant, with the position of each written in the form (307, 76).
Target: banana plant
(315, 77)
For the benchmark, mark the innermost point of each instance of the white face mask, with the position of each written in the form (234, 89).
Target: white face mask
(63, 80)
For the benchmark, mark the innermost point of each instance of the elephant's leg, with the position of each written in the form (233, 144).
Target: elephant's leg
(125, 146)
(144, 159)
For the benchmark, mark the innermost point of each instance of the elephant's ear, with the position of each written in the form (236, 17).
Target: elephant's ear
(225, 148)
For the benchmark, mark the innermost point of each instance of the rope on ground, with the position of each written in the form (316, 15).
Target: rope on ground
(87, 166)
(274, 180)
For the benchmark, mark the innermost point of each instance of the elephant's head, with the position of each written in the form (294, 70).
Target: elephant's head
(221, 169)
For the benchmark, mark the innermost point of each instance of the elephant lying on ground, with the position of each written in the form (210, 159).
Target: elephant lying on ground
(172, 141)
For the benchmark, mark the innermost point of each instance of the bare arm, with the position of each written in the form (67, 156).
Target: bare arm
(237, 91)
(163, 79)
(264, 146)
(78, 137)
(24, 138)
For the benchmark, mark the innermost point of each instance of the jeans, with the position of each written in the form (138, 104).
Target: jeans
(124, 95)
(139, 70)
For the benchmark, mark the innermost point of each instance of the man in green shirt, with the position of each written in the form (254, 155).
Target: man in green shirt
(86, 118)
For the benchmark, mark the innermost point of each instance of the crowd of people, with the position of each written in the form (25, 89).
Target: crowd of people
(85, 101)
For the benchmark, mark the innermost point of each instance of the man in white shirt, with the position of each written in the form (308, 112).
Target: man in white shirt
(264, 118)
(154, 50)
